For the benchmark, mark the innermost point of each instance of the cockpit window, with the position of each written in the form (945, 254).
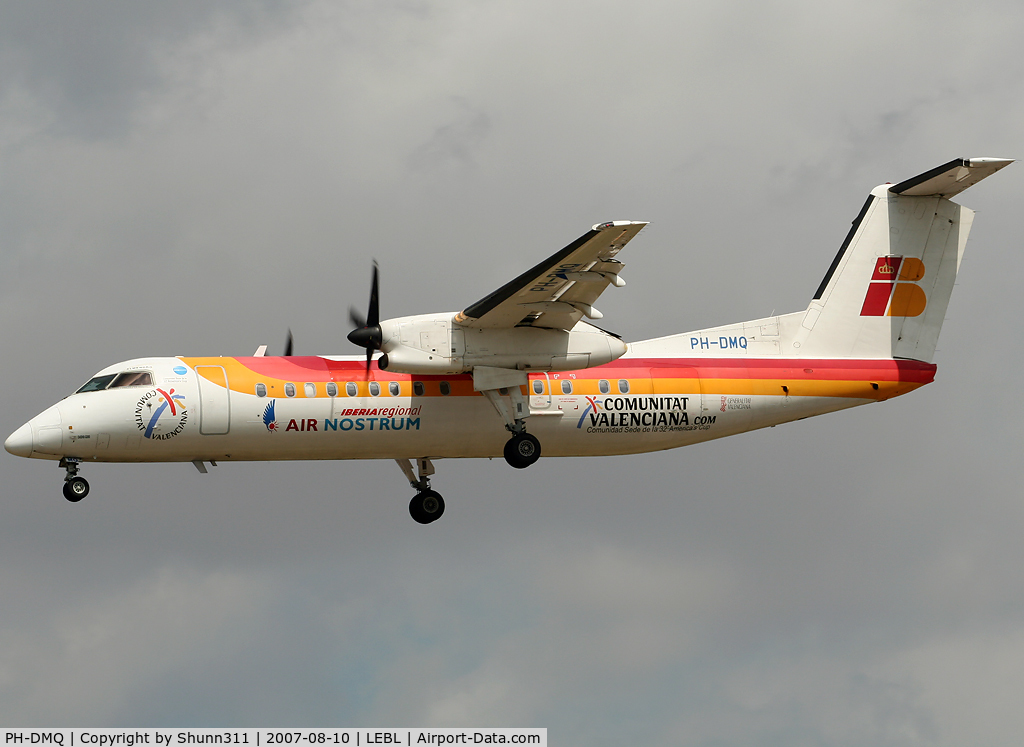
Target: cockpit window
(133, 378)
(94, 385)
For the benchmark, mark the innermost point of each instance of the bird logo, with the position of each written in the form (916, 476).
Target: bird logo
(269, 419)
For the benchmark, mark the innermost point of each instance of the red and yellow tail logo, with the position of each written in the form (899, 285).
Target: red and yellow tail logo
(893, 290)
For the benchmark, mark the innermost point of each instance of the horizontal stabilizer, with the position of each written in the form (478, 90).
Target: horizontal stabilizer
(951, 178)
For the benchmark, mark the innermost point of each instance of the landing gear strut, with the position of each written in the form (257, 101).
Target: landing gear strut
(75, 487)
(427, 505)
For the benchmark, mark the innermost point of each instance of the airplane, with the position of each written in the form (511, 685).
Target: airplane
(526, 366)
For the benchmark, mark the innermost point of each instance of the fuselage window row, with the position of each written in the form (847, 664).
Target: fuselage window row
(394, 388)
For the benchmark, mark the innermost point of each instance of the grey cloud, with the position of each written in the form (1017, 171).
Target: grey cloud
(453, 143)
(92, 62)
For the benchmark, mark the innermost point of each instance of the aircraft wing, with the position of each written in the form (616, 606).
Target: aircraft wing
(562, 289)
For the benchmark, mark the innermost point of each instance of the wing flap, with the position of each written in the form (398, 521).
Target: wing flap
(559, 291)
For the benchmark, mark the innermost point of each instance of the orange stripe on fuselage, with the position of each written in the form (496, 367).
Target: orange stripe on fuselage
(861, 379)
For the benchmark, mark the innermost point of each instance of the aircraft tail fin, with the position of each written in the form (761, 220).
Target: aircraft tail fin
(886, 292)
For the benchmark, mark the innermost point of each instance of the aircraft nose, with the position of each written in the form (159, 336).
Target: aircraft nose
(19, 443)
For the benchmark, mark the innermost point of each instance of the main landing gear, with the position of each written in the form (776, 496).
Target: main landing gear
(75, 487)
(523, 449)
(427, 505)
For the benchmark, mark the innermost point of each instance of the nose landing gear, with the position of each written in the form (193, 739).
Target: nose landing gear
(75, 487)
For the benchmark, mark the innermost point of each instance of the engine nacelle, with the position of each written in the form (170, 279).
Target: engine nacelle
(433, 344)
(406, 359)
(538, 349)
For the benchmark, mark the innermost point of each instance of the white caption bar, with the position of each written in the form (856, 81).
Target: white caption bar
(269, 737)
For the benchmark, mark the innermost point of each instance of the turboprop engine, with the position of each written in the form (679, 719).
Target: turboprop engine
(434, 344)
(532, 324)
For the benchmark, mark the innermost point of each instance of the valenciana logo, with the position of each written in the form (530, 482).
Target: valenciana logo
(161, 414)
(592, 405)
(893, 290)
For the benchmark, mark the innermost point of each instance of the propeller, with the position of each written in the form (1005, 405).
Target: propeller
(288, 344)
(367, 333)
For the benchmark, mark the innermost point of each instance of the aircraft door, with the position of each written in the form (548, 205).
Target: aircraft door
(540, 392)
(682, 382)
(339, 396)
(214, 404)
(48, 440)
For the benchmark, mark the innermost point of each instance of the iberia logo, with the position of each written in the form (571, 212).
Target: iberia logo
(594, 405)
(161, 414)
(893, 290)
(269, 418)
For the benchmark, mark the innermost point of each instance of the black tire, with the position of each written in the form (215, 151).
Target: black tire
(522, 450)
(76, 489)
(426, 507)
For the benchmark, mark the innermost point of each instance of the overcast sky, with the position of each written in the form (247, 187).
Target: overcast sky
(195, 178)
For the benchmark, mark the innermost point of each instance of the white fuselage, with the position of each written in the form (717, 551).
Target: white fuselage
(248, 409)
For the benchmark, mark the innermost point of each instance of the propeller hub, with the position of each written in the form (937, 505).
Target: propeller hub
(369, 337)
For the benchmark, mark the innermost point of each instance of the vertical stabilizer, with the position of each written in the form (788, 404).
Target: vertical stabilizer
(886, 292)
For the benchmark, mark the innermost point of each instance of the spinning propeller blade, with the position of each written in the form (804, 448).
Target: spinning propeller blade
(367, 333)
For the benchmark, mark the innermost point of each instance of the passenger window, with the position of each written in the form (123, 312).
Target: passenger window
(289, 389)
(417, 388)
(132, 378)
(95, 385)
(374, 388)
(261, 390)
(350, 389)
(566, 386)
(538, 386)
(310, 389)
(623, 386)
(332, 389)
(445, 388)
(394, 388)
(604, 386)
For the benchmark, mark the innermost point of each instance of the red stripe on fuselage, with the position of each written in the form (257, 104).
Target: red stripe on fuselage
(820, 369)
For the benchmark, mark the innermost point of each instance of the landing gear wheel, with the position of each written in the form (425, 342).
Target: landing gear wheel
(522, 450)
(426, 506)
(76, 489)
